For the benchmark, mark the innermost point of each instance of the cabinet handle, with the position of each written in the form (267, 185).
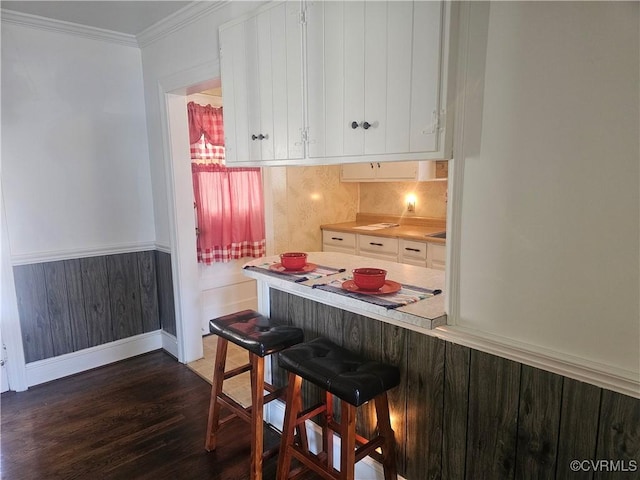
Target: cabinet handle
(336, 238)
(377, 244)
(354, 125)
(412, 249)
(259, 137)
(366, 125)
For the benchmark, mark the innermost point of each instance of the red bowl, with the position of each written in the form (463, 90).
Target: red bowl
(369, 278)
(293, 260)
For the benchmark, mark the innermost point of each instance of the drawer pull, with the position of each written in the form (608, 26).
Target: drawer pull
(376, 244)
(337, 238)
(412, 249)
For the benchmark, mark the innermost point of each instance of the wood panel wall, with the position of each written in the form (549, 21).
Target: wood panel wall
(166, 305)
(463, 414)
(70, 305)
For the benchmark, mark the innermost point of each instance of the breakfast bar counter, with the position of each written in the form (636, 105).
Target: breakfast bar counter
(374, 327)
(418, 305)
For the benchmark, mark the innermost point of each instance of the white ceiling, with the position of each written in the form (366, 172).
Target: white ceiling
(130, 17)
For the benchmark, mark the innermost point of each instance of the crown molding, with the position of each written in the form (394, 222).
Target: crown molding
(70, 28)
(178, 20)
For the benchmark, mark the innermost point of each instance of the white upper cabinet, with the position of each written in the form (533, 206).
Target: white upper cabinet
(379, 171)
(375, 79)
(261, 63)
(338, 82)
(422, 171)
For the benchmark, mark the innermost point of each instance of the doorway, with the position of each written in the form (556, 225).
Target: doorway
(200, 292)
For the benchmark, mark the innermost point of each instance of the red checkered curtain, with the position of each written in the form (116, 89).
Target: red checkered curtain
(230, 212)
(206, 132)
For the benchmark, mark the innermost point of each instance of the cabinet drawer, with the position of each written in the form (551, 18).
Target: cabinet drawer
(371, 243)
(339, 239)
(414, 250)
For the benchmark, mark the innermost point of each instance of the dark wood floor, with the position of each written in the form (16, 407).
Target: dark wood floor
(140, 418)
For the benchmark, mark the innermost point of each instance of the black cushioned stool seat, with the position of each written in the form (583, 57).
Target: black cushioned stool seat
(353, 379)
(255, 332)
(260, 336)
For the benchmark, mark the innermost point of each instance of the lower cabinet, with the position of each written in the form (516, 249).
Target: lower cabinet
(411, 252)
(339, 242)
(436, 256)
(378, 247)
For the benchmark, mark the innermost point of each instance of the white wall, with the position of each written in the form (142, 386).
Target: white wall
(75, 161)
(550, 209)
(186, 48)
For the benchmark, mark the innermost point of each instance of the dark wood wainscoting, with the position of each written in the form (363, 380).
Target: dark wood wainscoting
(70, 305)
(166, 305)
(463, 414)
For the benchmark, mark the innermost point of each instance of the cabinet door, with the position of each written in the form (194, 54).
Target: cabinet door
(393, 171)
(338, 242)
(357, 172)
(425, 77)
(233, 65)
(378, 247)
(436, 256)
(413, 253)
(261, 65)
(368, 87)
(379, 171)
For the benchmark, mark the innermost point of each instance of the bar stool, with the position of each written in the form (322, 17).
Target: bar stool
(352, 379)
(260, 337)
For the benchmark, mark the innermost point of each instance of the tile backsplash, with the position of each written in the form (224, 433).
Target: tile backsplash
(389, 198)
(305, 198)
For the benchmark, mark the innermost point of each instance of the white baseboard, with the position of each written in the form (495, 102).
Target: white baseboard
(366, 469)
(71, 363)
(170, 344)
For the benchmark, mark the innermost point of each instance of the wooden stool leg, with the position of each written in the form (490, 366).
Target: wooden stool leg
(348, 441)
(292, 409)
(384, 428)
(257, 404)
(327, 433)
(216, 389)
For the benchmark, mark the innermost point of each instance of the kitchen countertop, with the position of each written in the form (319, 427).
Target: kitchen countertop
(410, 228)
(427, 313)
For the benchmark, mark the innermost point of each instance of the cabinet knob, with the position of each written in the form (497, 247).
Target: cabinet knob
(261, 137)
(354, 125)
(254, 137)
(366, 125)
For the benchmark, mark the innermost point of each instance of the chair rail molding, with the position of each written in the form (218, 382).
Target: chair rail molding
(53, 256)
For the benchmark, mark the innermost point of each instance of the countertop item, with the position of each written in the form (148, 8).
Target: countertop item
(410, 228)
(426, 313)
